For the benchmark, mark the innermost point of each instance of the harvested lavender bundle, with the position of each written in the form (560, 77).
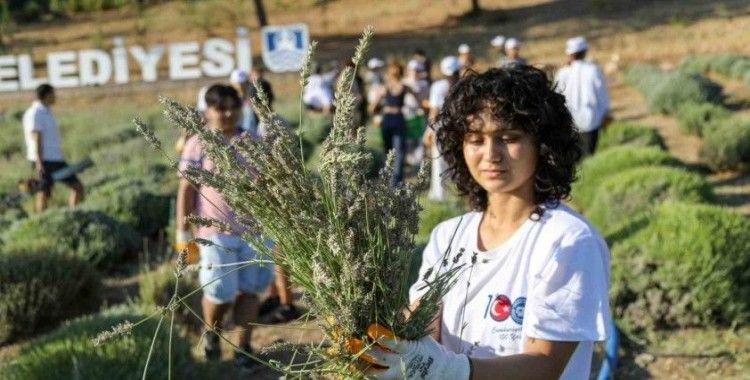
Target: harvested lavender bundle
(346, 240)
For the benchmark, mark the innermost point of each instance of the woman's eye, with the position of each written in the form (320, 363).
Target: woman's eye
(474, 139)
(509, 139)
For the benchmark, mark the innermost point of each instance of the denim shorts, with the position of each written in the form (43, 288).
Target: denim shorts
(222, 284)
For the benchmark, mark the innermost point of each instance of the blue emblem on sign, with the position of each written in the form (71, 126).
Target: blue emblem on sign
(516, 312)
(284, 47)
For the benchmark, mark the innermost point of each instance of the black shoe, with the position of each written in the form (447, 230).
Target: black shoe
(245, 365)
(269, 305)
(283, 313)
(211, 347)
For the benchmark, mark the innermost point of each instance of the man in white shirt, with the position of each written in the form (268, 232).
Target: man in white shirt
(42, 135)
(317, 94)
(585, 90)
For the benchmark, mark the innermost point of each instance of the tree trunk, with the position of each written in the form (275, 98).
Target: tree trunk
(260, 10)
(475, 7)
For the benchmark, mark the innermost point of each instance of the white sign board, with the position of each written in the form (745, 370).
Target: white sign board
(284, 47)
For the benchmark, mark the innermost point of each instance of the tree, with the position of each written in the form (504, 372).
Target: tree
(260, 10)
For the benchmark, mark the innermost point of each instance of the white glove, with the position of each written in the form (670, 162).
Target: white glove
(183, 236)
(418, 359)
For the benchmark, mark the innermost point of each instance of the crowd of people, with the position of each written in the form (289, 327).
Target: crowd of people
(503, 136)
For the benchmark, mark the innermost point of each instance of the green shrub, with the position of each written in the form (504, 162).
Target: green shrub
(740, 68)
(626, 194)
(695, 117)
(722, 64)
(38, 289)
(131, 201)
(595, 169)
(90, 235)
(622, 133)
(434, 212)
(698, 64)
(68, 352)
(688, 266)
(726, 145)
(156, 288)
(643, 76)
(677, 88)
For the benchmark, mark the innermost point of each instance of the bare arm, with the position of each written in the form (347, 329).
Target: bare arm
(541, 359)
(186, 196)
(36, 136)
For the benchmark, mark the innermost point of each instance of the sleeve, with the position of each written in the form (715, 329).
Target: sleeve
(568, 298)
(38, 122)
(191, 155)
(437, 98)
(428, 269)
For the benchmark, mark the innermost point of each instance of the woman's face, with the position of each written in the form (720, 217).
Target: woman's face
(223, 119)
(500, 159)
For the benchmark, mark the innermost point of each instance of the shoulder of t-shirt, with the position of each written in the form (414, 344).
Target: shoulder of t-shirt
(192, 148)
(568, 224)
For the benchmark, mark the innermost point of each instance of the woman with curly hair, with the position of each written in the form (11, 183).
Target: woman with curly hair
(530, 298)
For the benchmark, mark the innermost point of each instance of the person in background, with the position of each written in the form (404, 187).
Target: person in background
(585, 90)
(374, 82)
(240, 81)
(223, 285)
(450, 68)
(498, 47)
(420, 56)
(393, 124)
(512, 53)
(317, 95)
(357, 89)
(466, 58)
(416, 106)
(42, 135)
(200, 106)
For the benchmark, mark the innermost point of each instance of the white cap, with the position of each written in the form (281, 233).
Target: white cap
(238, 76)
(498, 41)
(449, 65)
(512, 43)
(375, 63)
(576, 45)
(415, 65)
(464, 49)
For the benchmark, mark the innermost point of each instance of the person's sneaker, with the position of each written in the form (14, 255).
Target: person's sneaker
(269, 305)
(211, 346)
(283, 313)
(245, 365)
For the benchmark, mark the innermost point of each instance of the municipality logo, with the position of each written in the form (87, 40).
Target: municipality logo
(284, 47)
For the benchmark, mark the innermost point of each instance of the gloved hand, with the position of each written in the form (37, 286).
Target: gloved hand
(421, 359)
(184, 240)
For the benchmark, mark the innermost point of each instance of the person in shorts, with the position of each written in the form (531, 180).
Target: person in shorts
(42, 134)
(224, 285)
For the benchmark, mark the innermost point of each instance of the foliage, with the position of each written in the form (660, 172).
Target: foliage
(597, 168)
(621, 133)
(347, 241)
(38, 289)
(156, 288)
(624, 195)
(665, 92)
(90, 235)
(687, 266)
(69, 353)
(434, 212)
(726, 145)
(643, 76)
(694, 118)
(134, 202)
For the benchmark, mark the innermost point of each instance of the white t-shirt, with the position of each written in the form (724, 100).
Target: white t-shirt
(39, 118)
(438, 93)
(549, 281)
(317, 93)
(585, 91)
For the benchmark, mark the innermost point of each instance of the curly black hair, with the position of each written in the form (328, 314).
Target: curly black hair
(519, 97)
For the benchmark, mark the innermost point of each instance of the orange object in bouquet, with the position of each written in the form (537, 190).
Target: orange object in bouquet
(193, 254)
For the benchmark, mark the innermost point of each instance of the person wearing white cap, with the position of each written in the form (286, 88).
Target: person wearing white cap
(585, 90)
(450, 67)
(498, 46)
(240, 80)
(465, 57)
(512, 53)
